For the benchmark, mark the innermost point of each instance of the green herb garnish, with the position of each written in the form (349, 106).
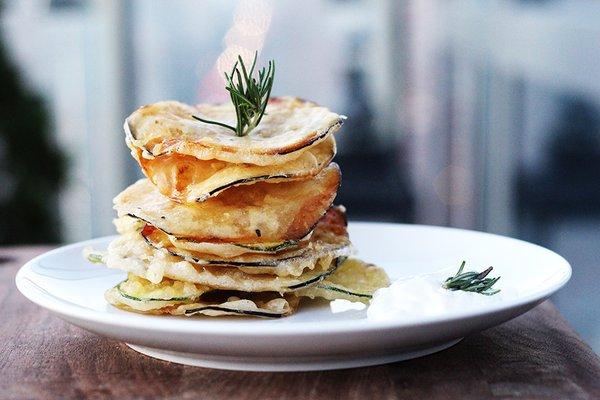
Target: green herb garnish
(472, 281)
(248, 95)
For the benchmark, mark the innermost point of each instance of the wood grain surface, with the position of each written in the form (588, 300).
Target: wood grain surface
(536, 356)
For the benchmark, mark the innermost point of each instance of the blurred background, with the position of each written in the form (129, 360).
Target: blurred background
(466, 113)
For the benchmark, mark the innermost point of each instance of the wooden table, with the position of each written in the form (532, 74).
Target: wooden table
(536, 356)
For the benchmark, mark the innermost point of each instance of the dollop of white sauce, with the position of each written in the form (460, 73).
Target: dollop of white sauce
(341, 305)
(422, 296)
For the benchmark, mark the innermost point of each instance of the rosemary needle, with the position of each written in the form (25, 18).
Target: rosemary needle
(472, 281)
(248, 95)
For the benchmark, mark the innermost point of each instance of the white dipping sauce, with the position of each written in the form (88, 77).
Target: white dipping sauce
(341, 305)
(422, 296)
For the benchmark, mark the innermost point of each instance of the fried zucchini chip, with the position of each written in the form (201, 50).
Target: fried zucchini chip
(180, 298)
(229, 250)
(186, 179)
(132, 254)
(142, 295)
(329, 239)
(259, 213)
(289, 126)
(354, 280)
(127, 224)
(248, 306)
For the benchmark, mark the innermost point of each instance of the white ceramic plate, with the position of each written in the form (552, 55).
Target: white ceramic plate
(314, 338)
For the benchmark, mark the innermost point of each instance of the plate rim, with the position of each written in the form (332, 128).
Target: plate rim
(301, 328)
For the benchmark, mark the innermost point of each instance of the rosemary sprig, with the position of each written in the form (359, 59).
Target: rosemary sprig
(472, 281)
(248, 95)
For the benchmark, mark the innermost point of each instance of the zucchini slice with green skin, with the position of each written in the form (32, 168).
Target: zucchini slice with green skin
(127, 302)
(132, 254)
(329, 239)
(270, 249)
(316, 279)
(243, 181)
(309, 282)
(195, 260)
(330, 229)
(287, 244)
(344, 291)
(334, 265)
(176, 175)
(140, 289)
(227, 310)
(140, 130)
(230, 250)
(211, 302)
(193, 306)
(127, 224)
(285, 211)
(161, 303)
(265, 305)
(353, 280)
(343, 250)
(128, 296)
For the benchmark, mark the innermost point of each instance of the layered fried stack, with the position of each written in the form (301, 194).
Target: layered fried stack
(234, 225)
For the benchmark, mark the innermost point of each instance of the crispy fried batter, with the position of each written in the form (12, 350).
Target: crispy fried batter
(353, 280)
(186, 179)
(132, 254)
(289, 126)
(259, 213)
(329, 239)
(215, 303)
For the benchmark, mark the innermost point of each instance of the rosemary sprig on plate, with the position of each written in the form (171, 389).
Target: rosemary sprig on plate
(248, 95)
(472, 281)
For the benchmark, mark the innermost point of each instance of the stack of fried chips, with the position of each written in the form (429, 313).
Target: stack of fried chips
(234, 225)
